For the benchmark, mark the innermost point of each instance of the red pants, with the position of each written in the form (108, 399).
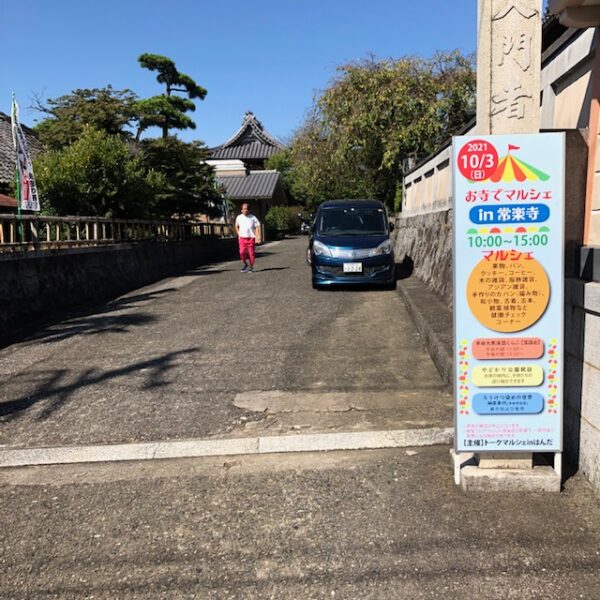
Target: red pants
(247, 249)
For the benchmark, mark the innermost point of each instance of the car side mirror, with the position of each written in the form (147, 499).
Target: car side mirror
(392, 227)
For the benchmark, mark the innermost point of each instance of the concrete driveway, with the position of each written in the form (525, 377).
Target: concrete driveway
(219, 353)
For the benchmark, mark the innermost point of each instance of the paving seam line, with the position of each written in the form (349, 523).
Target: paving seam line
(194, 448)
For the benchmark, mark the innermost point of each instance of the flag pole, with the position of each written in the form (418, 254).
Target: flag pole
(18, 195)
(17, 172)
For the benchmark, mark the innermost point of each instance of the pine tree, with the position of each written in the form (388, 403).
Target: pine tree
(167, 110)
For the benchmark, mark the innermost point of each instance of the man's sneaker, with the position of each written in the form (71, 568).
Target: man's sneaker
(245, 268)
(251, 270)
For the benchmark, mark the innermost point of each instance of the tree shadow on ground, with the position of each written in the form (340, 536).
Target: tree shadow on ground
(94, 325)
(54, 387)
(92, 321)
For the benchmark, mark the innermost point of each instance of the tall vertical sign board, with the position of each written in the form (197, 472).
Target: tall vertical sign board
(508, 292)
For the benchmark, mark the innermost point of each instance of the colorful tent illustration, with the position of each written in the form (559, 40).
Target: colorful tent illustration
(511, 168)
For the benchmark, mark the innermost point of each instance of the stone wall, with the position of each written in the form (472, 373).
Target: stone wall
(425, 243)
(39, 285)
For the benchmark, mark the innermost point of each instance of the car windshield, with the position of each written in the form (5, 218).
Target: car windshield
(351, 220)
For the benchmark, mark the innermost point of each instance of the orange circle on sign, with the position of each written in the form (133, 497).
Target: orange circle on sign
(508, 291)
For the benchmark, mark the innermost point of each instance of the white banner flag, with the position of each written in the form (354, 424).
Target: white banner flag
(27, 195)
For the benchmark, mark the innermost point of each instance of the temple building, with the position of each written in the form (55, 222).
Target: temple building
(239, 165)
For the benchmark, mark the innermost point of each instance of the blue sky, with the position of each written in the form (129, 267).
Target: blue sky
(267, 56)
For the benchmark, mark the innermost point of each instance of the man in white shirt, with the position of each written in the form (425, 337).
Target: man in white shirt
(246, 226)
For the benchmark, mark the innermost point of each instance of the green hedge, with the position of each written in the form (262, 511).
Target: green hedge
(282, 220)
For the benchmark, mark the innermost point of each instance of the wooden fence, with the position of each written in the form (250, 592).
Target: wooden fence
(33, 232)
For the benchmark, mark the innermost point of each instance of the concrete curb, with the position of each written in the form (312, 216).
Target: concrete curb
(434, 321)
(361, 440)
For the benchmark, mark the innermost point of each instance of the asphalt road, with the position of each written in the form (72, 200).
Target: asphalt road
(192, 357)
(379, 524)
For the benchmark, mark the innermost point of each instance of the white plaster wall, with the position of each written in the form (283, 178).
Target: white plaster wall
(571, 111)
(594, 231)
(430, 187)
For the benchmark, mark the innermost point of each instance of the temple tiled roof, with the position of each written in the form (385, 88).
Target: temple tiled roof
(251, 142)
(255, 185)
(7, 151)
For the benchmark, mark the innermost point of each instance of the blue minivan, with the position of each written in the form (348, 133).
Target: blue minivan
(350, 244)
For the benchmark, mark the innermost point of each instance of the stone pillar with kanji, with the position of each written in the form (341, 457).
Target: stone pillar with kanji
(508, 66)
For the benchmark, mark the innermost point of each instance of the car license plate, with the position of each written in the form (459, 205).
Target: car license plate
(353, 267)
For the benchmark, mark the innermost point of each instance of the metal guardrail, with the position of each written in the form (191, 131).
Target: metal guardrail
(33, 232)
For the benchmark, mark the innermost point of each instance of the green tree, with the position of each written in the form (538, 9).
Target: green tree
(282, 161)
(167, 110)
(281, 220)
(374, 117)
(317, 174)
(104, 109)
(96, 176)
(189, 184)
